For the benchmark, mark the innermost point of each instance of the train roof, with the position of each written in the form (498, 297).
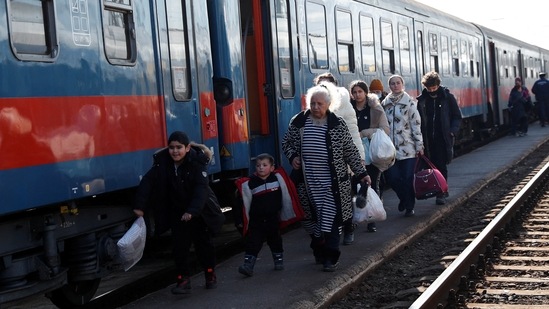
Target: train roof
(494, 35)
(420, 12)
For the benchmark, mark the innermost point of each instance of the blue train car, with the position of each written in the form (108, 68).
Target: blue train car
(89, 91)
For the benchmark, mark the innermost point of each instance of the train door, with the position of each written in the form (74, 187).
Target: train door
(420, 47)
(494, 85)
(269, 36)
(185, 62)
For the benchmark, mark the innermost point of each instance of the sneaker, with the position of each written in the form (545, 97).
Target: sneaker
(348, 238)
(211, 279)
(409, 213)
(371, 227)
(329, 267)
(441, 200)
(183, 285)
(246, 270)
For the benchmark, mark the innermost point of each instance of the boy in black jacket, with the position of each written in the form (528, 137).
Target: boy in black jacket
(262, 198)
(177, 187)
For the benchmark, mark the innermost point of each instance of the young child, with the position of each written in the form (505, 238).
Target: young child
(270, 201)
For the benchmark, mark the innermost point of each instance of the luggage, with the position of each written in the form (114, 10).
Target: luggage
(428, 182)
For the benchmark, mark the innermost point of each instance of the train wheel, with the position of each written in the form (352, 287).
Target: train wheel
(74, 294)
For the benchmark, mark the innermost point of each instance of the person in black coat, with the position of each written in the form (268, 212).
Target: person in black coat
(519, 101)
(176, 189)
(440, 122)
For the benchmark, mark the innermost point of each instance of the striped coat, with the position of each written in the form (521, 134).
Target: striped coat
(342, 153)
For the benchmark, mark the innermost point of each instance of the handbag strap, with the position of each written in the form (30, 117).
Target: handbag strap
(426, 160)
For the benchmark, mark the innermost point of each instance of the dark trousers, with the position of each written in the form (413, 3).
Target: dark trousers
(257, 235)
(186, 234)
(542, 107)
(401, 179)
(438, 156)
(326, 247)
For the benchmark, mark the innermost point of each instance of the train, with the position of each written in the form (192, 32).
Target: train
(89, 90)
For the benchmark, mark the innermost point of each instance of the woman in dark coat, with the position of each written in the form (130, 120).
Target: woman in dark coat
(177, 189)
(320, 148)
(519, 100)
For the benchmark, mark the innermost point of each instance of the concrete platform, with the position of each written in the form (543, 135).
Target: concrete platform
(304, 285)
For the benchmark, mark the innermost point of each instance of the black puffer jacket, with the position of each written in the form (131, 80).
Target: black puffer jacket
(450, 119)
(169, 195)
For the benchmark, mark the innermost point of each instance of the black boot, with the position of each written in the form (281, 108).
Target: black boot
(183, 285)
(278, 259)
(248, 267)
(211, 278)
(331, 262)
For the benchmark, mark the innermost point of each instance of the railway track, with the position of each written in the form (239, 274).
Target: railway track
(490, 273)
(446, 266)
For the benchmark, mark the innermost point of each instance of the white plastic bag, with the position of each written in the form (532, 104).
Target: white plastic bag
(132, 244)
(366, 145)
(382, 150)
(372, 212)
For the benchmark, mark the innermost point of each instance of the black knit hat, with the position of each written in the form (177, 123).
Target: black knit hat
(179, 136)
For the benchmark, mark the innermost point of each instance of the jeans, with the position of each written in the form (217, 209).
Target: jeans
(401, 178)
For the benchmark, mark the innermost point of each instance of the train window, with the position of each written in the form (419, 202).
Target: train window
(119, 32)
(433, 51)
(463, 57)
(387, 35)
(434, 63)
(471, 51)
(345, 42)
(515, 71)
(455, 51)
(455, 57)
(472, 68)
(285, 57)
(178, 50)
(433, 42)
(388, 53)
(404, 42)
(316, 36)
(367, 44)
(32, 29)
(445, 53)
(420, 52)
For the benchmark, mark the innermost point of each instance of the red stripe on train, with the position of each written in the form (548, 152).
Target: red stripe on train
(35, 131)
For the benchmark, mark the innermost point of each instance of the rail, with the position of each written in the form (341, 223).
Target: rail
(438, 292)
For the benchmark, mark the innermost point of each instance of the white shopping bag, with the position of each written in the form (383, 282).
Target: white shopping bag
(132, 244)
(370, 210)
(382, 150)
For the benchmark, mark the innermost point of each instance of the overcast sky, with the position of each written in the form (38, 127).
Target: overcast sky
(526, 20)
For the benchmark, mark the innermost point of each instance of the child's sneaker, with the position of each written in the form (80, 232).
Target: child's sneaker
(211, 279)
(278, 259)
(183, 285)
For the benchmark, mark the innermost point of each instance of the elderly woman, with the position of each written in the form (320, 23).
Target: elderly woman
(320, 149)
(405, 132)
